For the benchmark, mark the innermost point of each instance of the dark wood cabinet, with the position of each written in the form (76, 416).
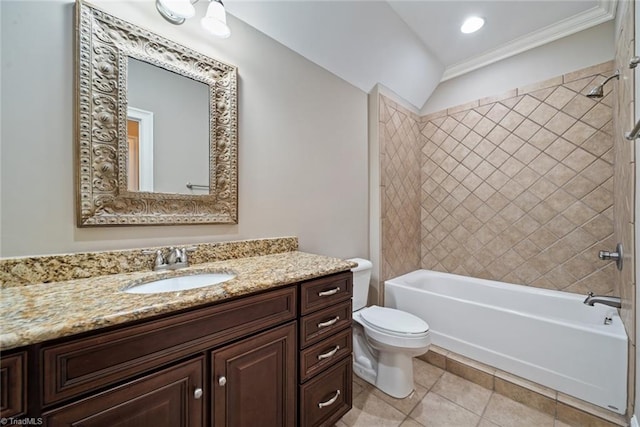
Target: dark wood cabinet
(327, 397)
(13, 390)
(172, 397)
(81, 365)
(254, 381)
(325, 393)
(267, 359)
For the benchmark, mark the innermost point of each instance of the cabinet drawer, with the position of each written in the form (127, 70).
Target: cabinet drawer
(86, 364)
(327, 397)
(325, 353)
(172, 397)
(326, 291)
(317, 326)
(13, 385)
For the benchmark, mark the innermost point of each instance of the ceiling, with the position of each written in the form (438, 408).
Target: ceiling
(410, 46)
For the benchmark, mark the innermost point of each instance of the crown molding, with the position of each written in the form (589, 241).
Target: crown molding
(605, 11)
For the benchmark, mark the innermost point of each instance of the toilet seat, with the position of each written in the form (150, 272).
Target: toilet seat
(390, 321)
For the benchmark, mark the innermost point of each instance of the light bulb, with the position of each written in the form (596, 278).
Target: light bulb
(472, 24)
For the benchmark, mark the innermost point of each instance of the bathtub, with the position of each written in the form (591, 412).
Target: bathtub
(548, 337)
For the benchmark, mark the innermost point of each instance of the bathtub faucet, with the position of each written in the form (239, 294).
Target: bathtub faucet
(601, 299)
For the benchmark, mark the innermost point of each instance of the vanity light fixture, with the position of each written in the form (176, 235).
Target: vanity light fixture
(472, 24)
(214, 21)
(175, 11)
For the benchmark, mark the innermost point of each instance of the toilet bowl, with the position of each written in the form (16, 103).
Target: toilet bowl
(385, 340)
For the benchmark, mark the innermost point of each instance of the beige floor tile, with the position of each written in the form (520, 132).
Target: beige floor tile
(425, 374)
(360, 385)
(410, 423)
(508, 413)
(486, 423)
(559, 423)
(436, 411)
(407, 404)
(371, 411)
(463, 392)
(340, 424)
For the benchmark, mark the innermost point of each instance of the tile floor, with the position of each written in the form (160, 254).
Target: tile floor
(441, 399)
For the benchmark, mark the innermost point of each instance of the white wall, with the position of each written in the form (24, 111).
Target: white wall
(302, 140)
(580, 50)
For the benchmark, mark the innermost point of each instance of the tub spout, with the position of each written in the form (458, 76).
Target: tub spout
(601, 299)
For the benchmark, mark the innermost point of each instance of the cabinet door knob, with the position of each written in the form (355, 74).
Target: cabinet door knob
(330, 401)
(222, 380)
(197, 393)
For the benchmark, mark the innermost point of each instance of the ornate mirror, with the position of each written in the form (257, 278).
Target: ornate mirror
(156, 128)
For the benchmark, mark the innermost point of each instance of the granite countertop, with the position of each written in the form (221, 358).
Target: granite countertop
(39, 312)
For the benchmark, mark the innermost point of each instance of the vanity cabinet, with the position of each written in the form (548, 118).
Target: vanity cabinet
(281, 357)
(13, 390)
(169, 397)
(325, 369)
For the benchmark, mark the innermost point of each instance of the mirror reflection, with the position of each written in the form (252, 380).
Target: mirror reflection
(167, 131)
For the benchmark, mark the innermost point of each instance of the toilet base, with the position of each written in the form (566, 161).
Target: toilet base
(395, 374)
(392, 373)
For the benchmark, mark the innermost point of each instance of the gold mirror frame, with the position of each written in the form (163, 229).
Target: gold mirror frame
(103, 44)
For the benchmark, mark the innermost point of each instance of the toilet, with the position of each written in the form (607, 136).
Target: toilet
(385, 340)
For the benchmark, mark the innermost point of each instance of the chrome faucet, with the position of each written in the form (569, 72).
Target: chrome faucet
(602, 299)
(175, 259)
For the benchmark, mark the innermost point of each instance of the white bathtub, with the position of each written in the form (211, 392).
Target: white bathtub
(549, 337)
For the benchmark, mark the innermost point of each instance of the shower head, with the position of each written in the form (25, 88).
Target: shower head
(598, 91)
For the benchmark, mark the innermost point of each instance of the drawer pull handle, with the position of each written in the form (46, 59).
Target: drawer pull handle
(222, 381)
(329, 292)
(328, 322)
(197, 393)
(329, 354)
(330, 401)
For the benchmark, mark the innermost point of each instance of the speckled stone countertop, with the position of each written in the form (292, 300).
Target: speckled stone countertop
(39, 312)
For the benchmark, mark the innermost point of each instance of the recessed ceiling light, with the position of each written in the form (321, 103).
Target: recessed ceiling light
(472, 24)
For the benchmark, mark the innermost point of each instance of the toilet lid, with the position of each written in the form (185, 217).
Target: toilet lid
(393, 320)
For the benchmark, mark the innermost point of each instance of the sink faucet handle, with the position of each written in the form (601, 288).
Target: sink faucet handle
(158, 260)
(183, 254)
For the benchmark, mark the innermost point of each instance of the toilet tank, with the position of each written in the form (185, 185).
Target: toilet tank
(361, 278)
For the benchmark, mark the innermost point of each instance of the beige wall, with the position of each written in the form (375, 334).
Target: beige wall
(302, 140)
(623, 180)
(517, 188)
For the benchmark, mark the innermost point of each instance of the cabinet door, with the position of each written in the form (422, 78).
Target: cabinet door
(13, 387)
(168, 398)
(254, 380)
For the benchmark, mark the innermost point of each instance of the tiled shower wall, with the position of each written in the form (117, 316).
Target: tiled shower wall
(518, 188)
(624, 176)
(399, 137)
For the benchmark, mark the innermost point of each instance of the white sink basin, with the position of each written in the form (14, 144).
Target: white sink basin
(180, 283)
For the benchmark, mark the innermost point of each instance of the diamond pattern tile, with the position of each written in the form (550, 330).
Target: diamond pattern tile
(624, 170)
(519, 189)
(401, 146)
